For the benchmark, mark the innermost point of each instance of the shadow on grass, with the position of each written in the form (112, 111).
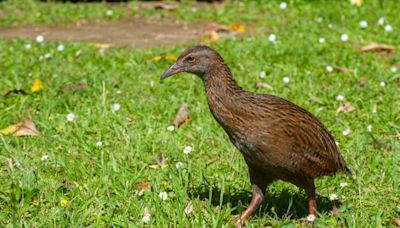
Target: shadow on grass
(280, 204)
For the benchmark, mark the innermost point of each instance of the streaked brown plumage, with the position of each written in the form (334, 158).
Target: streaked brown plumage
(278, 139)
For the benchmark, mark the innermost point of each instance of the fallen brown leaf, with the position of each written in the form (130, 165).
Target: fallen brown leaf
(213, 26)
(346, 107)
(143, 185)
(377, 48)
(397, 221)
(343, 70)
(363, 81)
(17, 91)
(74, 87)
(182, 116)
(395, 136)
(263, 85)
(25, 128)
(161, 160)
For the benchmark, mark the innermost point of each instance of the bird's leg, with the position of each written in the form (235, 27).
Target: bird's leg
(258, 186)
(312, 204)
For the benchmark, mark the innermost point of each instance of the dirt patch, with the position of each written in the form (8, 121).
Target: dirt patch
(132, 32)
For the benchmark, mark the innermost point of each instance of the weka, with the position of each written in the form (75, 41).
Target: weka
(278, 139)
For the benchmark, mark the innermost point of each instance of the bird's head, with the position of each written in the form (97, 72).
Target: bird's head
(196, 60)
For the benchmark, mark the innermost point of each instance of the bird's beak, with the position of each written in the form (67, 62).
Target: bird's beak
(174, 69)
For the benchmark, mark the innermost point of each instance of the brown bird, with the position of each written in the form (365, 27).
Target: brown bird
(278, 139)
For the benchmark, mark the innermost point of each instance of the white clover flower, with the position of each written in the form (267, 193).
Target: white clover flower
(347, 132)
(152, 84)
(28, 46)
(340, 97)
(71, 117)
(329, 68)
(47, 56)
(344, 184)
(263, 74)
(39, 39)
(188, 150)
(374, 110)
(344, 37)
(60, 47)
(333, 196)
(286, 79)
(109, 12)
(319, 20)
(179, 165)
(283, 5)
(272, 38)
(330, 26)
(382, 84)
(44, 157)
(116, 107)
(363, 24)
(393, 69)
(99, 144)
(146, 215)
(388, 28)
(321, 40)
(163, 196)
(381, 21)
(170, 128)
(311, 218)
(369, 128)
(118, 92)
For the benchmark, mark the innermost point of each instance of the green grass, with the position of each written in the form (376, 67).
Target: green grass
(101, 183)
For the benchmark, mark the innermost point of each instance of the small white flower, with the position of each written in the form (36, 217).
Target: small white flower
(109, 12)
(187, 150)
(71, 117)
(118, 92)
(388, 28)
(340, 97)
(286, 80)
(170, 128)
(272, 38)
(116, 106)
(263, 74)
(363, 24)
(44, 158)
(99, 144)
(330, 26)
(347, 132)
(369, 128)
(283, 5)
(152, 84)
(374, 109)
(382, 84)
(28, 46)
(47, 56)
(344, 184)
(60, 47)
(179, 165)
(163, 196)
(311, 218)
(329, 68)
(321, 40)
(17, 164)
(393, 69)
(333, 196)
(344, 37)
(381, 21)
(319, 20)
(39, 39)
(146, 215)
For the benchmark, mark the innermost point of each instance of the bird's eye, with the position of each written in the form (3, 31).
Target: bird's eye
(189, 59)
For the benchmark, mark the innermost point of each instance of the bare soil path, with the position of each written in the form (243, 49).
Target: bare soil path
(132, 32)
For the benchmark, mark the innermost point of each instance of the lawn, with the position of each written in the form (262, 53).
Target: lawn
(66, 178)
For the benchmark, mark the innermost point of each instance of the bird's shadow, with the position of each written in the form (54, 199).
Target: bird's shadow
(281, 204)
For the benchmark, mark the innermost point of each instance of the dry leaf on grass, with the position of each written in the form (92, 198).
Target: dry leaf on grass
(363, 81)
(17, 91)
(182, 116)
(74, 87)
(343, 70)
(157, 6)
(395, 136)
(213, 26)
(263, 85)
(25, 128)
(143, 185)
(189, 208)
(213, 31)
(346, 107)
(377, 48)
(161, 160)
(397, 221)
(101, 45)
